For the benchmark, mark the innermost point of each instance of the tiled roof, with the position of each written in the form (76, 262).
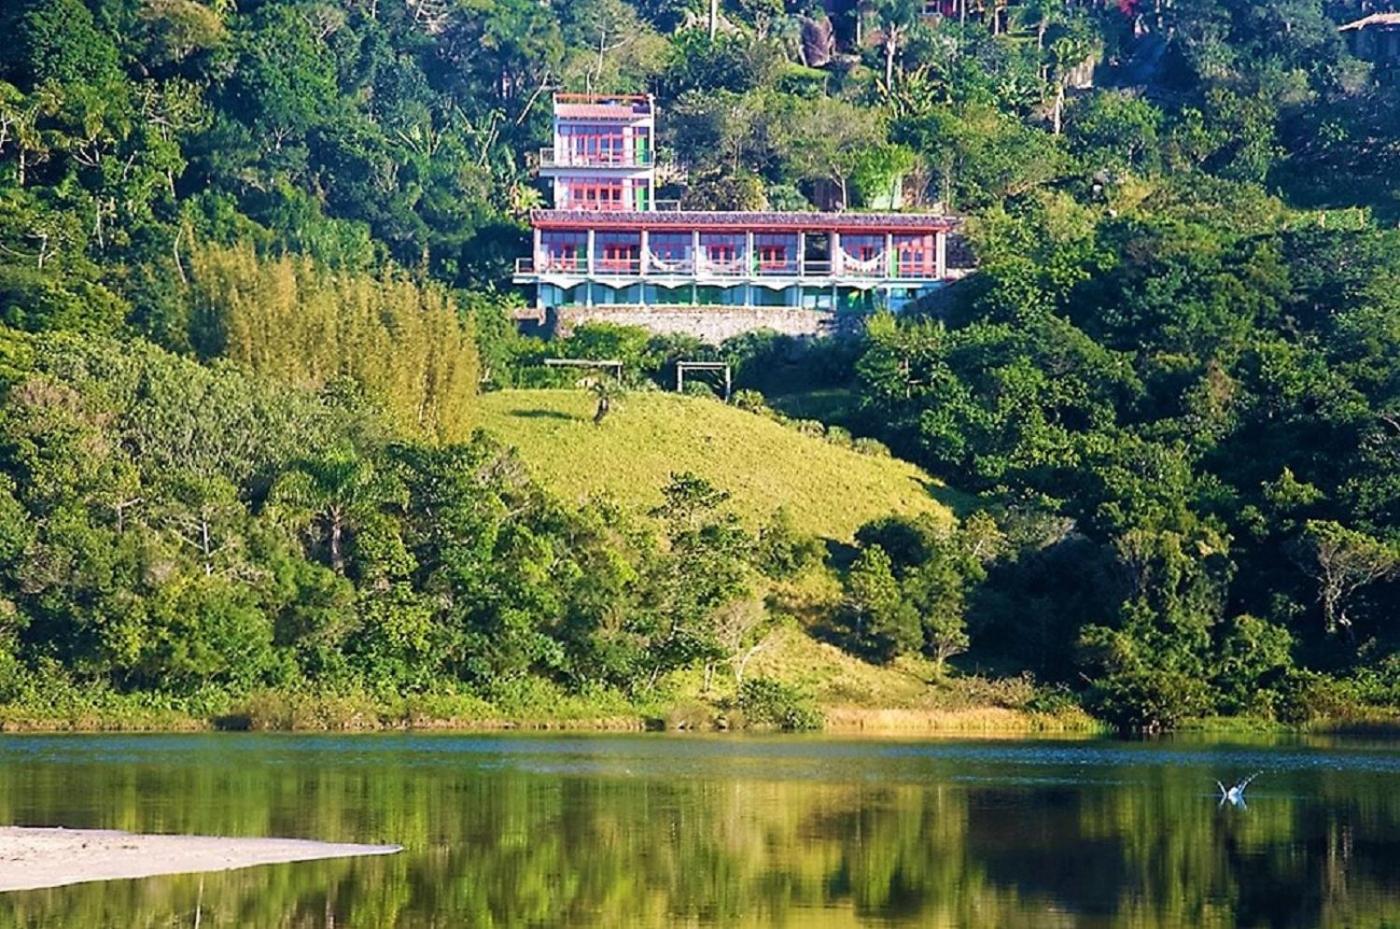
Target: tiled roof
(712, 219)
(599, 111)
(1375, 19)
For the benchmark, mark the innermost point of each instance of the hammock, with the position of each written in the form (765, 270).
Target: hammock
(732, 266)
(874, 266)
(563, 263)
(668, 265)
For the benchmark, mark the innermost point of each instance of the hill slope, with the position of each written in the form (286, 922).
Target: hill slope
(830, 491)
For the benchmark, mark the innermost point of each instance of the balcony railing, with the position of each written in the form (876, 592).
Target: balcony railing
(737, 268)
(549, 158)
(724, 267)
(663, 266)
(630, 267)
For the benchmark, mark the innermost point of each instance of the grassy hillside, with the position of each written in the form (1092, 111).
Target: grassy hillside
(830, 491)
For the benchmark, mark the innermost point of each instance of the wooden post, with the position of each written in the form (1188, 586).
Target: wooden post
(891, 268)
(836, 254)
(695, 252)
(592, 242)
(539, 253)
(940, 240)
(801, 254)
(644, 263)
(749, 259)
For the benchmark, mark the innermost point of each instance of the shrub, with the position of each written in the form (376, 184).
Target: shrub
(872, 447)
(766, 702)
(1305, 696)
(839, 436)
(1052, 700)
(1149, 700)
(809, 427)
(698, 388)
(1380, 685)
(782, 551)
(750, 401)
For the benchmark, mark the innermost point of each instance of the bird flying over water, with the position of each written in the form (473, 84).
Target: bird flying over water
(1235, 795)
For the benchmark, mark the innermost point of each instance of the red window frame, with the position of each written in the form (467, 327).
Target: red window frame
(917, 255)
(620, 256)
(596, 195)
(772, 257)
(592, 145)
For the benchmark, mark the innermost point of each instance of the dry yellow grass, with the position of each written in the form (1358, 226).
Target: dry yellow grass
(982, 721)
(829, 491)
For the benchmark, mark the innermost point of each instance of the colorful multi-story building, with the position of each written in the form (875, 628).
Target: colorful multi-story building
(607, 243)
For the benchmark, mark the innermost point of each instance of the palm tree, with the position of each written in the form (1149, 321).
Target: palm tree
(332, 496)
(897, 19)
(1066, 53)
(1040, 15)
(606, 391)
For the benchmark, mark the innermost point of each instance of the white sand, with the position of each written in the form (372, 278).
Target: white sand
(31, 858)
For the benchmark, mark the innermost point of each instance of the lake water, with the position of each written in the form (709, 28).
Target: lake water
(663, 830)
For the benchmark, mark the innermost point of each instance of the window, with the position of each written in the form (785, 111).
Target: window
(595, 195)
(618, 252)
(776, 252)
(618, 257)
(917, 255)
(563, 250)
(593, 145)
(763, 296)
(668, 296)
(670, 253)
(724, 253)
(772, 257)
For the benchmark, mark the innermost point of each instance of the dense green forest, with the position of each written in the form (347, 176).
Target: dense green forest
(253, 272)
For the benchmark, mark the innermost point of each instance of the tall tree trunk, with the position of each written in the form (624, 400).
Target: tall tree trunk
(714, 18)
(206, 546)
(891, 39)
(1059, 105)
(337, 530)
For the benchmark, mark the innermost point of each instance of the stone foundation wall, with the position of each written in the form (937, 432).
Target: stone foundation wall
(711, 324)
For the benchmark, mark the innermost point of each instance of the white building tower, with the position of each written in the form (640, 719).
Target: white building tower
(604, 155)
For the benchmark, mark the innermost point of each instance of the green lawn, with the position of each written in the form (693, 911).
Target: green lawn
(830, 491)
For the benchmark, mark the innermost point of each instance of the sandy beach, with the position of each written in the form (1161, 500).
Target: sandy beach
(40, 857)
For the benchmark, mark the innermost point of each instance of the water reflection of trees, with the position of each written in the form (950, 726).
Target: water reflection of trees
(513, 850)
